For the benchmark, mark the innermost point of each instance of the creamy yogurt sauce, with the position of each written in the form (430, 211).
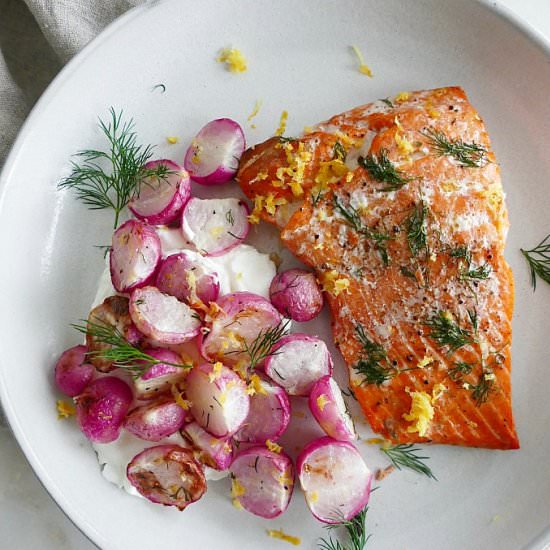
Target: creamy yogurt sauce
(241, 269)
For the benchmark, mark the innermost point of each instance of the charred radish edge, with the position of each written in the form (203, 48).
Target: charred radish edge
(216, 452)
(159, 199)
(214, 154)
(134, 256)
(72, 371)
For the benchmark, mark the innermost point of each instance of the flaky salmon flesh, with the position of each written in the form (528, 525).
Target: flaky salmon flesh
(398, 207)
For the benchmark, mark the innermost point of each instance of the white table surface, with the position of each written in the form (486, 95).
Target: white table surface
(29, 518)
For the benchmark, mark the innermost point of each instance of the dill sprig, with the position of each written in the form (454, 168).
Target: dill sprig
(121, 353)
(355, 529)
(460, 369)
(446, 332)
(373, 365)
(471, 155)
(481, 272)
(405, 455)
(538, 259)
(387, 102)
(382, 169)
(417, 233)
(283, 139)
(481, 390)
(461, 252)
(98, 188)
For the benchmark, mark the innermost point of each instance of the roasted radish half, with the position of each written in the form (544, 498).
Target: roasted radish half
(161, 196)
(262, 481)
(162, 317)
(219, 401)
(329, 408)
(212, 451)
(134, 256)
(167, 474)
(335, 479)
(73, 371)
(297, 361)
(215, 226)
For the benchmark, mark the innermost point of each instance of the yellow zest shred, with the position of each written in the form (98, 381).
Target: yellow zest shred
(332, 284)
(450, 186)
(322, 400)
(234, 60)
(402, 96)
(349, 177)
(271, 203)
(374, 441)
(255, 386)
(237, 489)
(432, 112)
(281, 535)
(272, 446)
(437, 391)
(330, 172)
(363, 67)
(425, 361)
(237, 503)
(64, 409)
(172, 140)
(286, 479)
(178, 398)
(282, 124)
(404, 146)
(216, 372)
(255, 111)
(421, 413)
(241, 368)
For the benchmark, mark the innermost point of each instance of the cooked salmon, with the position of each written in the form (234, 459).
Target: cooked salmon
(398, 207)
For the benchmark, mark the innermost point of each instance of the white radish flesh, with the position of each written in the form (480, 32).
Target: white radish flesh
(101, 408)
(156, 420)
(134, 256)
(269, 414)
(335, 479)
(167, 474)
(189, 277)
(329, 409)
(215, 226)
(262, 481)
(212, 451)
(242, 316)
(296, 295)
(297, 361)
(163, 317)
(219, 401)
(73, 371)
(214, 154)
(161, 197)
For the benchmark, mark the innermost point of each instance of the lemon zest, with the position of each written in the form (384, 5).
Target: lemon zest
(402, 96)
(64, 409)
(272, 446)
(216, 372)
(282, 124)
(234, 60)
(256, 110)
(363, 67)
(281, 535)
(334, 285)
(322, 400)
(172, 140)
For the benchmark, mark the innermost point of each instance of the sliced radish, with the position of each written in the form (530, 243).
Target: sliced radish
(213, 451)
(161, 198)
(134, 256)
(73, 372)
(262, 481)
(296, 295)
(269, 414)
(329, 408)
(189, 277)
(219, 401)
(214, 155)
(101, 408)
(335, 479)
(160, 377)
(240, 320)
(215, 226)
(297, 361)
(167, 474)
(156, 420)
(162, 317)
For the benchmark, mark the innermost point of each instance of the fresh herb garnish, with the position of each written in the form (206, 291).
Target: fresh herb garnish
(460, 369)
(481, 390)
(407, 272)
(229, 217)
(339, 152)
(538, 259)
(373, 364)
(387, 102)
(355, 529)
(462, 252)
(471, 155)
(481, 272)
(382, 169)
(417, 233)
(446, 332)
(404, 456)
(121, 353)
(105, 247)
(98, 188)
(283, 139)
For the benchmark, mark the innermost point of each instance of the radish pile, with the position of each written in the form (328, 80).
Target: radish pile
(170, 355)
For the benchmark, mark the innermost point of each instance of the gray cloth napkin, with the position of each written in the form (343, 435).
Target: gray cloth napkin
(37, 37)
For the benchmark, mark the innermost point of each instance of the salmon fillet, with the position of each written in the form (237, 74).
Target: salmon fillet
(398, 207)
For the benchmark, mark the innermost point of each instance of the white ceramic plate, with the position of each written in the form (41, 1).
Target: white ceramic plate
(299, 60)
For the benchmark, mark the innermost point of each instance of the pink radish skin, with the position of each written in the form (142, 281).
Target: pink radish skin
(335, 479)
(214, 155)
(269, 415)
(162, 317)
(213, 451)
(72, 371)
(219, 401)
(329, 409)
(215, 226)
(167, 474)
(159, 378)
(134, 256)
(296, 295)
(187, 277)
(242, 317)
(297, 362)
(263, 481)
(156, 420)
(161, 199)
(101, 408)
